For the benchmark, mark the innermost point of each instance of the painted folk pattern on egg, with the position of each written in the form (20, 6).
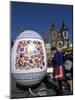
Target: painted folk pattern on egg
(29, 55)
(29, 34)
(29, 76)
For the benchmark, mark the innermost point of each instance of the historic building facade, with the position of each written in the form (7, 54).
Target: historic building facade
(59, 39)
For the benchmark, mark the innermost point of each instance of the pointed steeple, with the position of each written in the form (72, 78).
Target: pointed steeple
(53, 27)
(64, 27)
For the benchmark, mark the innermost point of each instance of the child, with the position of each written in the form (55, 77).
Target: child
(58, 68)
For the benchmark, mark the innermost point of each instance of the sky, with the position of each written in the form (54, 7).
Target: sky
(39, 17)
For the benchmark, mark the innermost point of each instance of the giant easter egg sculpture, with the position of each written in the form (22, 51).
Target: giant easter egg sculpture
(28, 58)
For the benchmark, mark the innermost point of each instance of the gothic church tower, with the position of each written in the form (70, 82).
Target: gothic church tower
(64, 34)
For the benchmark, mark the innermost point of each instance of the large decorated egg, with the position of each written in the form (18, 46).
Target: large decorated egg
(28, 58)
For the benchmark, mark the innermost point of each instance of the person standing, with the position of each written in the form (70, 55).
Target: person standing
(58, 68)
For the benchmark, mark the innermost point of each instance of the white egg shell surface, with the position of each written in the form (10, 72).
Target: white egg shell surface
(28, 58)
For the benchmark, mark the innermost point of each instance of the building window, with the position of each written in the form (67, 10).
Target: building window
(65, 34)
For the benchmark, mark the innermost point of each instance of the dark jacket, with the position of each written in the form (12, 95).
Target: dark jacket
(58, 59)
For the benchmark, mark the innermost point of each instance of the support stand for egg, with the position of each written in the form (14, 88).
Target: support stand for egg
(40, 92)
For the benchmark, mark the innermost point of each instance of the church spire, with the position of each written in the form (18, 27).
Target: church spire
(64, 28)
(53, 27)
